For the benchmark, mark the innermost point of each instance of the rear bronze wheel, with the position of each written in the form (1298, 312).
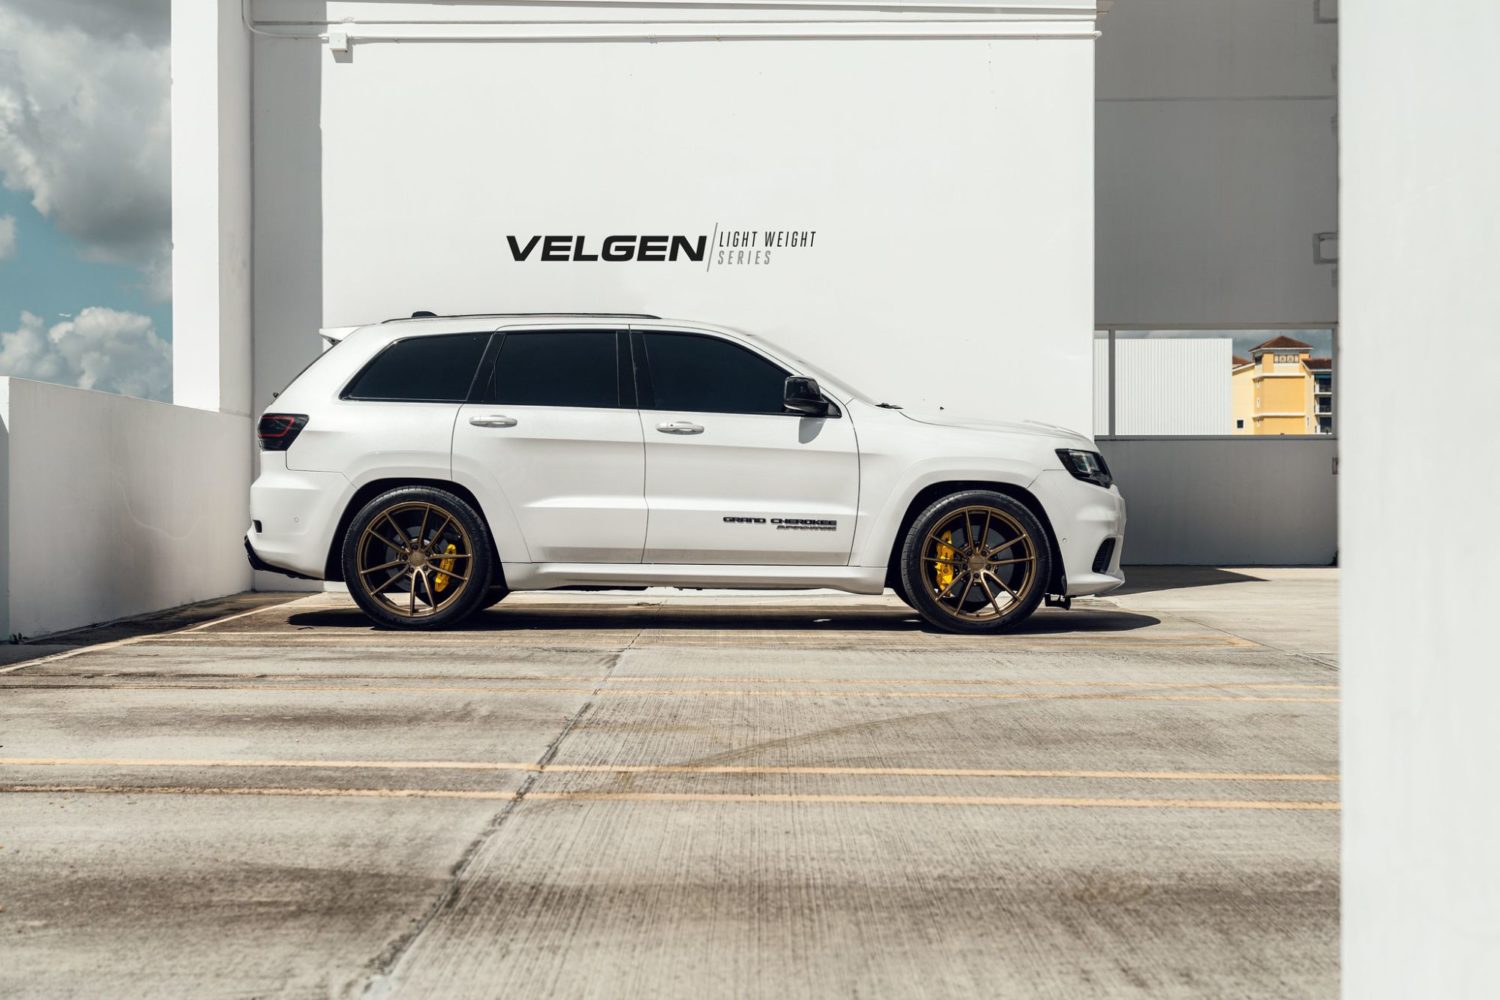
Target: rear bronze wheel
(976, 562)
(417, 558)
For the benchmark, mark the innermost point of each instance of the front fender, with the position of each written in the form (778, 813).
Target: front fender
(886, 496)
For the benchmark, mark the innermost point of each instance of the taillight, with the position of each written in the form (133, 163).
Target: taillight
(277, 431)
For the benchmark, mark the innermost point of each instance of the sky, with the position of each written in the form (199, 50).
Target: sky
(1321, 341)
(85, 194)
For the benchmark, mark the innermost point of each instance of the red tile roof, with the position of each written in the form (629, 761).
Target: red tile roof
(1281, 343)
(1239, 362)
(1319, 364)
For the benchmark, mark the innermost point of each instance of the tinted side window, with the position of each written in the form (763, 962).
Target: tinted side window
(422, 369)
(557, 368)
(708, 375)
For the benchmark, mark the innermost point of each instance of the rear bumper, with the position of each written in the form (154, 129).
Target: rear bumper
(256, 562)
(1084, 517)
(293, 517)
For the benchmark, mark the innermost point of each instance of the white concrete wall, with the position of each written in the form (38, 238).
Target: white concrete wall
(112, 506)
(1217, 164)
(1421, 242)
(1227, 501)
(946, 169)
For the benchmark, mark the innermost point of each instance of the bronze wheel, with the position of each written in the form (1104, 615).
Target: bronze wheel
(976, 562)
(417, 558)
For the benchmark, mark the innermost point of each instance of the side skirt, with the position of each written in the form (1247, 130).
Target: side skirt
(551, 576)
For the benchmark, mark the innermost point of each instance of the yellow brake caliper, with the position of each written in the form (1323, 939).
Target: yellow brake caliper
(445, 566)
(944, 570)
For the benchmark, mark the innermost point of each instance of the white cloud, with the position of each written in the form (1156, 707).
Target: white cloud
(85, 122)
(146, 19)
(100, 349)
(7, 237)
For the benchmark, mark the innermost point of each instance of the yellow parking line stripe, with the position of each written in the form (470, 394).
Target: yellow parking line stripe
(686, 692)
(383, 793)
(904, 800)
(961, 682)
(928, 772)
(746, 679)
(739, 769)
(940, 800)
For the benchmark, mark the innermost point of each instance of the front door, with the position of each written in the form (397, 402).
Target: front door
(553, 432)
(731, 477)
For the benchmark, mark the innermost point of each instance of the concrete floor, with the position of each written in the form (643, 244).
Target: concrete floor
(674, 796)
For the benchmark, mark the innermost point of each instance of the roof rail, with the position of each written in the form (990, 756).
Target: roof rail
(424, 314)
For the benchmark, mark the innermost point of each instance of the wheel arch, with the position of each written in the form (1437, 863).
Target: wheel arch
(333, 566)
(934, 492)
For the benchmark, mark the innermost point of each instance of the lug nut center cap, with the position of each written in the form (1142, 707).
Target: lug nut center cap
(977, 562)
(417, 560)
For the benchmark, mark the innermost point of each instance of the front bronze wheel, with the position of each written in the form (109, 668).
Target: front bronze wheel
(416, 558)
(976, 562)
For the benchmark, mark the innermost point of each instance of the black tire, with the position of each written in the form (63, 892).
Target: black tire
(957, 563)
(493, 596)
(899, 587)
(407, 548)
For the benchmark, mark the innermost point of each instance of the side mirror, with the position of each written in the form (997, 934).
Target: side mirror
(803, 396)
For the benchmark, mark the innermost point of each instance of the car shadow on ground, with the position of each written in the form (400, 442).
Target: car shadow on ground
(1150, 579)
(784, 618)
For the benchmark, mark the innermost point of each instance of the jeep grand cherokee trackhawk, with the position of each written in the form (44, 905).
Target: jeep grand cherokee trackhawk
(434, 464)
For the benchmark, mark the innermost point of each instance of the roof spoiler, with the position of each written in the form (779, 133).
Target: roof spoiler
(333, 334)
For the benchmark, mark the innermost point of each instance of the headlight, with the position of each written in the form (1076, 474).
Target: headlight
(1086, 465)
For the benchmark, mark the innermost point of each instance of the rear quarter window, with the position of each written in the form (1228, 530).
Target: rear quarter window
(437, 369)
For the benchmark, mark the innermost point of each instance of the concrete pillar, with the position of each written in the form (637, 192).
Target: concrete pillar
(1420, 222)
(211, 206)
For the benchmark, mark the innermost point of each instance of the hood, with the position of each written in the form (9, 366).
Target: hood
(1027, 427)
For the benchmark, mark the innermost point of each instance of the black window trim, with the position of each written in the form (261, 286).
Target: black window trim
(491, 356)
(345, 392)
(646, 392)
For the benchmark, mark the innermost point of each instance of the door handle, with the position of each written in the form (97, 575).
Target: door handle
(680, 427)
(493, 420)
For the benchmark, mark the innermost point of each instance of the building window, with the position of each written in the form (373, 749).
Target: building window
(1207, 383)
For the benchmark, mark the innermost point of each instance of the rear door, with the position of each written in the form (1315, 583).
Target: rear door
(552, 431)
(731, 477)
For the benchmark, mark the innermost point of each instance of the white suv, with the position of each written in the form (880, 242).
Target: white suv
(434, 464)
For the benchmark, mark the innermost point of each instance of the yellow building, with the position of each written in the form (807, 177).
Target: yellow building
(1282, 389)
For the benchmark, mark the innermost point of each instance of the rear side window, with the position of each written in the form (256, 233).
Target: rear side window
(422, 370)
(708, 375)
(556, 368)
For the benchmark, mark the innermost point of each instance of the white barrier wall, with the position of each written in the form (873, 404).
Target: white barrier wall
(1420, 745)
(901, 192)
(111, 506)
(1228, 501)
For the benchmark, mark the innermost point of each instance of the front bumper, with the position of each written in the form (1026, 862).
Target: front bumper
(1084, 517)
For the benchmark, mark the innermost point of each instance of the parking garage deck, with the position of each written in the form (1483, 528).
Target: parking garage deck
(682, 795)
